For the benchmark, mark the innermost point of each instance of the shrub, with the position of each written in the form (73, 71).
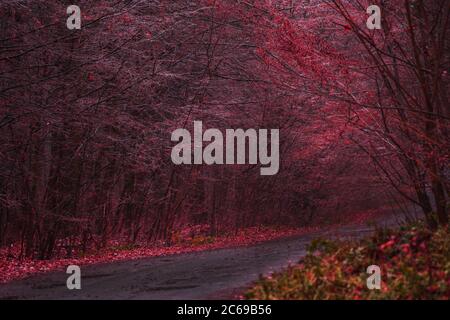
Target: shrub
(414, 264)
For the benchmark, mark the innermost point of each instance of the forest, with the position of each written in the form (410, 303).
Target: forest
(86, 117)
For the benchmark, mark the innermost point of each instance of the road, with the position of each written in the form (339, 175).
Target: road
(216, 274)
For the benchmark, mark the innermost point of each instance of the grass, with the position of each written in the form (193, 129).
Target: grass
(414, 264)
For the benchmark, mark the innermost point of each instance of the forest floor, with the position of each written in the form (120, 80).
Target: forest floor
(176, 272)
(13, 268)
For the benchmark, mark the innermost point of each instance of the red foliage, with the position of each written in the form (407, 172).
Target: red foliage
(12, 268)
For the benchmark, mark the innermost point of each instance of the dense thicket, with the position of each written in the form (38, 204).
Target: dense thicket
(86, 116)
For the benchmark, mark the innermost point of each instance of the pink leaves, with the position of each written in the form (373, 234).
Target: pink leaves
(387, 245)
(12, 268)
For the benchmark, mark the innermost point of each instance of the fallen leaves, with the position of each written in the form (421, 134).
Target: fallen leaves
(13, 268)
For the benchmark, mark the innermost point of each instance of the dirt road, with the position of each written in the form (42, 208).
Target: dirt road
(216, 274)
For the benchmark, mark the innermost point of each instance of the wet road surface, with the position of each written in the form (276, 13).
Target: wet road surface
(216, 274)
